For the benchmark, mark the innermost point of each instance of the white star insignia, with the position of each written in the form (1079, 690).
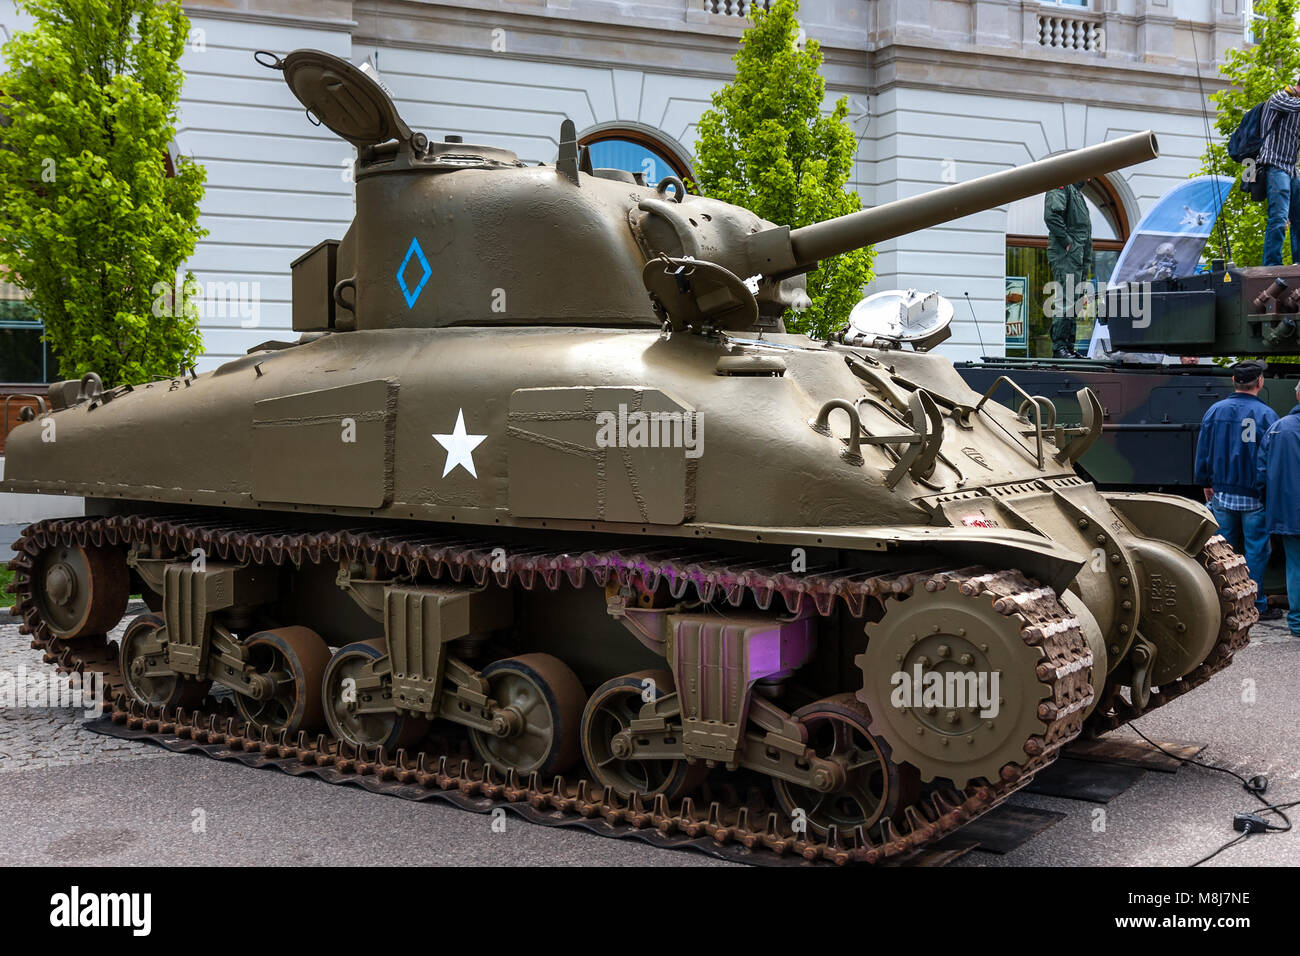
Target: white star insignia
(460, 447)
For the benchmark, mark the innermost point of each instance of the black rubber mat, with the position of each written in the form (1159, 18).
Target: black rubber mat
(1003, 828)
(936, 856)
(1084, 780)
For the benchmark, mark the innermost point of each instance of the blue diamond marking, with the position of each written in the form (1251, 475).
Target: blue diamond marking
(412, 294)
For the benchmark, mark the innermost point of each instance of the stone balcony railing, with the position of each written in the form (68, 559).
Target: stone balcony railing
(1073, 31)
(732, 8)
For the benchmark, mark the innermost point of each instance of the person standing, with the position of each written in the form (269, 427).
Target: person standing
(1276, 162)
(1069, 254)
(1277, 479)
(1227, 462)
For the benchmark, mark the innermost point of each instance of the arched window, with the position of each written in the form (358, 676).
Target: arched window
(1028, 272)
(636, 150)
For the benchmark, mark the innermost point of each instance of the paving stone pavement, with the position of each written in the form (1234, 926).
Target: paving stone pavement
(39, 738)
(1272, 632)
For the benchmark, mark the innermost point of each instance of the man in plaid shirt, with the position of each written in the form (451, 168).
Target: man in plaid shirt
(1277, 164)
(1227, 452)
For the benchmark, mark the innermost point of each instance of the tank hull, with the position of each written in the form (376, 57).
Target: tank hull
(833, 458)
(358, 424)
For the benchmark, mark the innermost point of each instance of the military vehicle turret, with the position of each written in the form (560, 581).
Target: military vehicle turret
(544, 468)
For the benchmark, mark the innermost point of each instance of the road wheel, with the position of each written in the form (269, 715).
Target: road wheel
(143, 659)
(385, 729)
(294, 658)
(874, 786)
(544, 700)
(610, 711)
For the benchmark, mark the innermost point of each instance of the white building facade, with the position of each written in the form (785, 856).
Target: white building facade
(940, 91)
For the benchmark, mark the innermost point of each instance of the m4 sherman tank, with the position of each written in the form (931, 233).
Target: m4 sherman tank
(544, 470)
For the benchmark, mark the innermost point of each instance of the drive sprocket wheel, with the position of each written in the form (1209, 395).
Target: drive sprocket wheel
(938, 639)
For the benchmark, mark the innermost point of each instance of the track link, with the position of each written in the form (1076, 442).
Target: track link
(1064, 670)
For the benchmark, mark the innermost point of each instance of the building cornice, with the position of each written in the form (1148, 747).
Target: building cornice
(642, 44)
(699, 45)
(994, 72)
(332, 23)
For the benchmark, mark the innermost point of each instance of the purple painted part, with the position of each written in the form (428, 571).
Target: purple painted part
(764, 653)
(780, 651)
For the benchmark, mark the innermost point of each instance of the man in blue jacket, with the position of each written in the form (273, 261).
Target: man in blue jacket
(1277, 478)
(1226, 467)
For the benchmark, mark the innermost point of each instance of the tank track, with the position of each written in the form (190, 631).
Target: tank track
(1237, 593)
(1064, 670)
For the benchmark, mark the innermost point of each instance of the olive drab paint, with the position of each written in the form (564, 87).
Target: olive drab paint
(557, 356)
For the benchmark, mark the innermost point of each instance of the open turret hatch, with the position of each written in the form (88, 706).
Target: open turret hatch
(344, 98)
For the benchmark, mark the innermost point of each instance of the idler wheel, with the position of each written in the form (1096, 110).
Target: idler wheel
(148, 679)
(610, 711)
(80, 590)
(386, 729)
(292, 660)
(873, 788)
(917, 675)
(542, 702)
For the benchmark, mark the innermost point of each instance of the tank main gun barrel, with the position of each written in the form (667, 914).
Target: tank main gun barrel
(780, 251)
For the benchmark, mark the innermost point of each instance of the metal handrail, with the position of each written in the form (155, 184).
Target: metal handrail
(1038, 417)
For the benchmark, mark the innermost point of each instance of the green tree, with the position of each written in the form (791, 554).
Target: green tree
(767, 145)
(92, 224)
(1255, 73)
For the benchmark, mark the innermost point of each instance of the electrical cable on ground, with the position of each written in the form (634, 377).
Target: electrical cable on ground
(1248, 823)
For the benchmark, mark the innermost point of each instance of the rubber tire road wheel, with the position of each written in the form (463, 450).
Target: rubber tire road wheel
(297, 656)
(387, 730)
(549, 697)
(159, 692)
(877, 787)
(611, 707)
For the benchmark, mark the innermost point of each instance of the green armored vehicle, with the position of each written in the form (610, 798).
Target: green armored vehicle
(544, 470)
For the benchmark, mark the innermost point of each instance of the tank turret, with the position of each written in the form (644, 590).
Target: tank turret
(455, 234)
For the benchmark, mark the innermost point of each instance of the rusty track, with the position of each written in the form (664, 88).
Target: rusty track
(1064, 671)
